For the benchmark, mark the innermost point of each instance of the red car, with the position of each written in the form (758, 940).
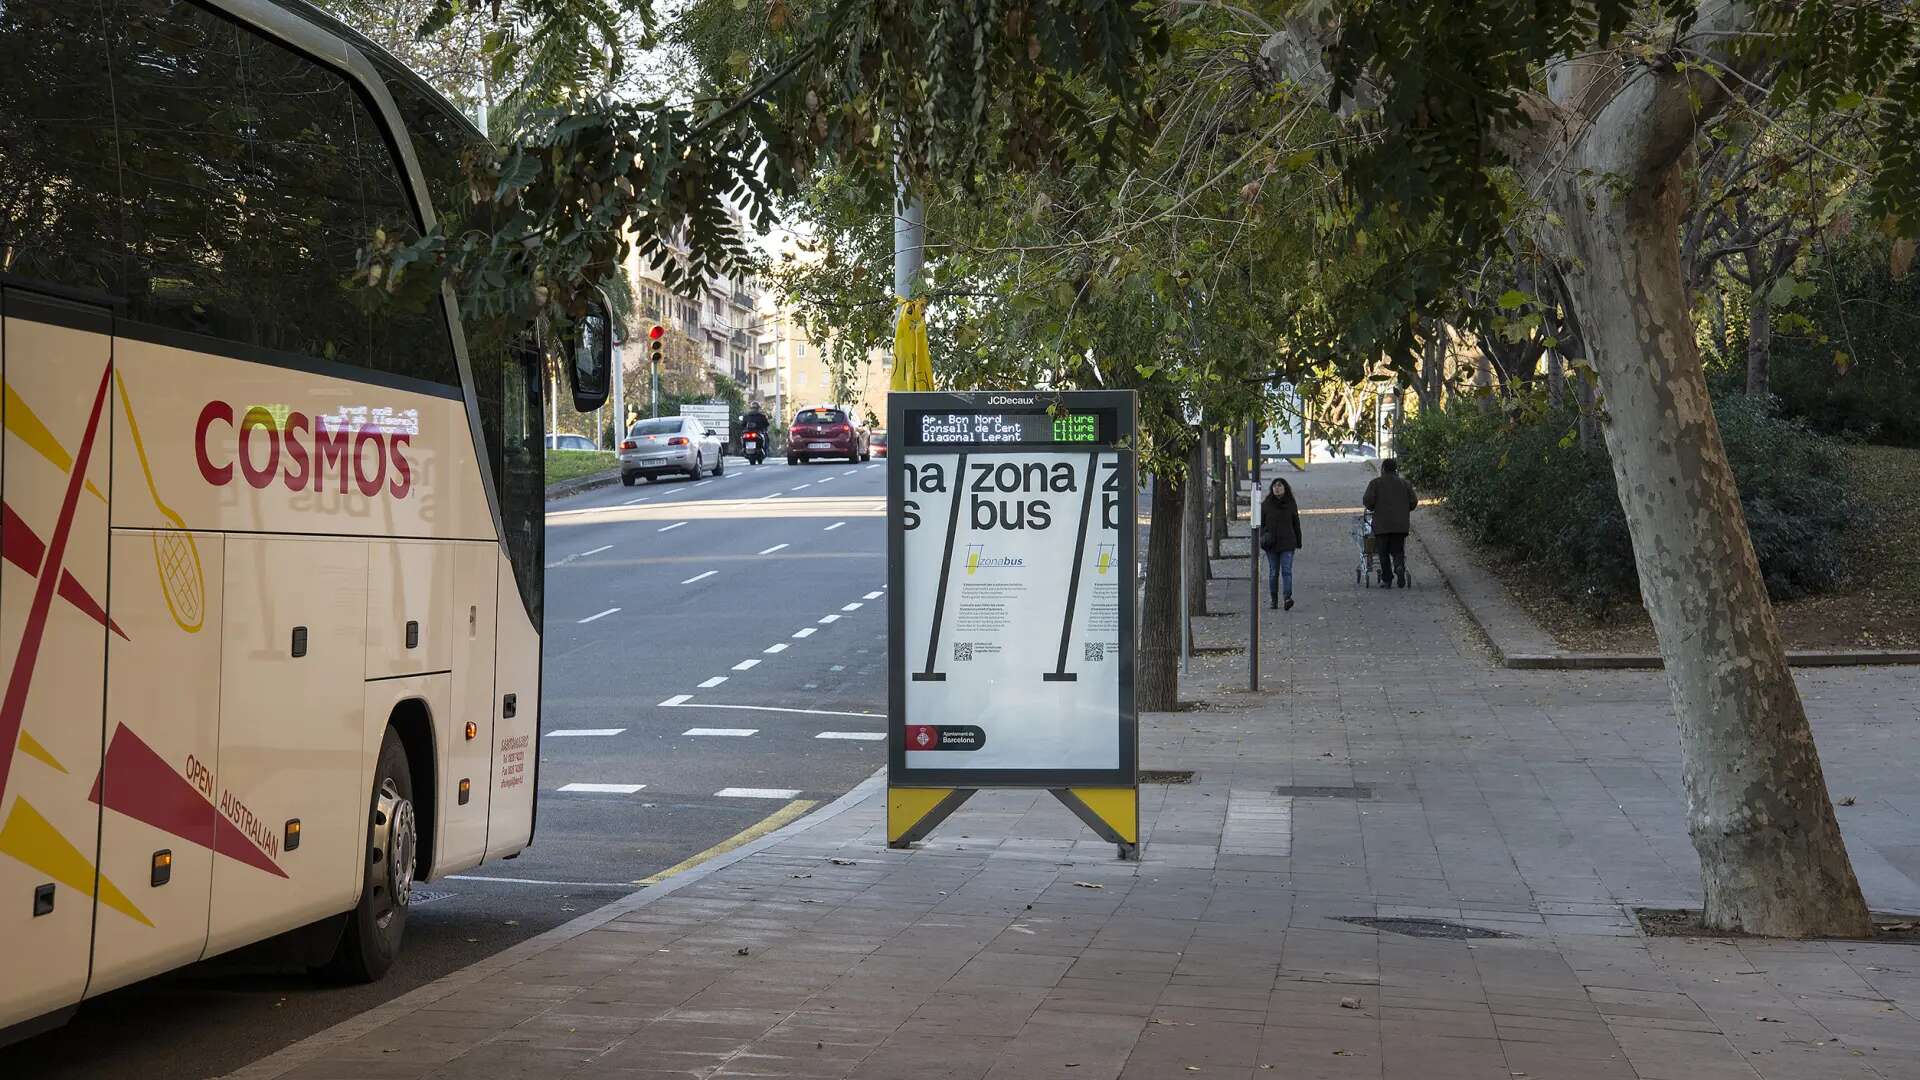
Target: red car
(825, 432)
(878, 443)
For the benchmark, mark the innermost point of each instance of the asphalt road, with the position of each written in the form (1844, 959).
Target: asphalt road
(718, 647)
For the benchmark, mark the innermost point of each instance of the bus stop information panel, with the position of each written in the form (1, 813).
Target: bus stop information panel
(1010, 542)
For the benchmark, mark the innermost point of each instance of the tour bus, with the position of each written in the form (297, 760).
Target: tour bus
(270, 545)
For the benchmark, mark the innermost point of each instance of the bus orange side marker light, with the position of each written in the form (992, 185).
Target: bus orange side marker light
(293, 835)
(473, 731)
(466, 788)
(162, 868)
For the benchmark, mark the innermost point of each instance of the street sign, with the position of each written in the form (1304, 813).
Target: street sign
(1010, 543)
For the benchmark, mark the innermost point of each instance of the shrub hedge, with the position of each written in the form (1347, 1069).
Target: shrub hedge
(1523, 485)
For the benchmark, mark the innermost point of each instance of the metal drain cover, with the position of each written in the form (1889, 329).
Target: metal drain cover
(1166, 776)
(1425, 928)
(424, 896)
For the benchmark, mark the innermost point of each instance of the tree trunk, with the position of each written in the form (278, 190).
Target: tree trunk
(1195, 528)
(1760, 341)
(1157, 683)
(1556, 377)
(1217, 445)
(1236, 468)
(1771, 855)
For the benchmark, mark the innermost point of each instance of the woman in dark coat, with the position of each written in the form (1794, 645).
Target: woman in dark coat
(1279, 538)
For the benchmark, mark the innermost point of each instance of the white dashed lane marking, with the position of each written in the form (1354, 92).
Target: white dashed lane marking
(595, 551)
(674, 700)
(874, 595)
(855, 606)
(770, 550)
(713, 682)
(806, 631)
(699, 577)
(582, 732)
(857, 736)
(775, 495)
(601, 615)
(849, 472)
(681, 703)
(745, 664)
(798, 487)
(829, 618)
(670, 528)
(756, 793)
(778, 647)
(728, 732)
(703, 483)
(833, 526)
(603, 789)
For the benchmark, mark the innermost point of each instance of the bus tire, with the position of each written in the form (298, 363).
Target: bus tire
(376, 925)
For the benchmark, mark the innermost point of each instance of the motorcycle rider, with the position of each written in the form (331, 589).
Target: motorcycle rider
(755, 420)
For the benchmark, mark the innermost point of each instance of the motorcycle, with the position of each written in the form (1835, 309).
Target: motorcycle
(753, 446)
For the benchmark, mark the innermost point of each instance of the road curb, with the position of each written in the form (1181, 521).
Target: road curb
(309, 1049)
(582, 483)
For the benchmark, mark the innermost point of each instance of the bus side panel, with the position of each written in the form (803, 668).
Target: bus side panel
(409, 583)
(53, 596)
(462, 838)
(291, 734)
(159, 785)
(516, 737)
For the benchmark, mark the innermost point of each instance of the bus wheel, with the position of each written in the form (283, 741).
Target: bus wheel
(376, 925)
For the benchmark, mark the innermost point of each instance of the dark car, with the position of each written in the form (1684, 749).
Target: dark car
(823, 433)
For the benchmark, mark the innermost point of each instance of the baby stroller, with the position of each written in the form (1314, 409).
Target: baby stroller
(1365, 573)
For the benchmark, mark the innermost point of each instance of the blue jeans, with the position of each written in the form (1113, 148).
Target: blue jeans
(1279, 569)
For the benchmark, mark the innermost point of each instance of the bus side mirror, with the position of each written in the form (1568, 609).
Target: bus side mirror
(592, 369)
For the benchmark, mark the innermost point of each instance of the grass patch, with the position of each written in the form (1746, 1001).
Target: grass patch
(572, 464)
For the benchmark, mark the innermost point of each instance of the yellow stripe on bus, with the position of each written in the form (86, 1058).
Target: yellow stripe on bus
(33, 840)
(28, 427)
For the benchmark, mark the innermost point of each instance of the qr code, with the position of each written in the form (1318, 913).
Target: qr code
(963, 650)
(1096, 651)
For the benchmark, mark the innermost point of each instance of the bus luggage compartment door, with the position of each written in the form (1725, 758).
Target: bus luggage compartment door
(293, 651)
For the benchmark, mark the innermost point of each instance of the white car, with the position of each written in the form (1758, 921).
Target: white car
(570, 442)
(667, 445)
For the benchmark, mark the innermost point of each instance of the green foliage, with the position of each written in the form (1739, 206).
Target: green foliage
(1522, 484)
(949, 90)
(1846, 358)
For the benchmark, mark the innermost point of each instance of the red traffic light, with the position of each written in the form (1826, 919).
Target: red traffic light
(656, 333)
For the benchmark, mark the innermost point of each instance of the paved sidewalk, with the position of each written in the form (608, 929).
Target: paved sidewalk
(1387, 771)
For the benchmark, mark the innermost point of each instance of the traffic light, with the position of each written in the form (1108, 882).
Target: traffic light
(656, 344)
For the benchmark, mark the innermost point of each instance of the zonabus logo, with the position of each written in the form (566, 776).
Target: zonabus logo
(302, 453)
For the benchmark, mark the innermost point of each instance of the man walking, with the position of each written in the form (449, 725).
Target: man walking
(1392, 501)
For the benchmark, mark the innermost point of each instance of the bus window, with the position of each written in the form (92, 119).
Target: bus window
(258, 174)
(60, 217)
(523, 490)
